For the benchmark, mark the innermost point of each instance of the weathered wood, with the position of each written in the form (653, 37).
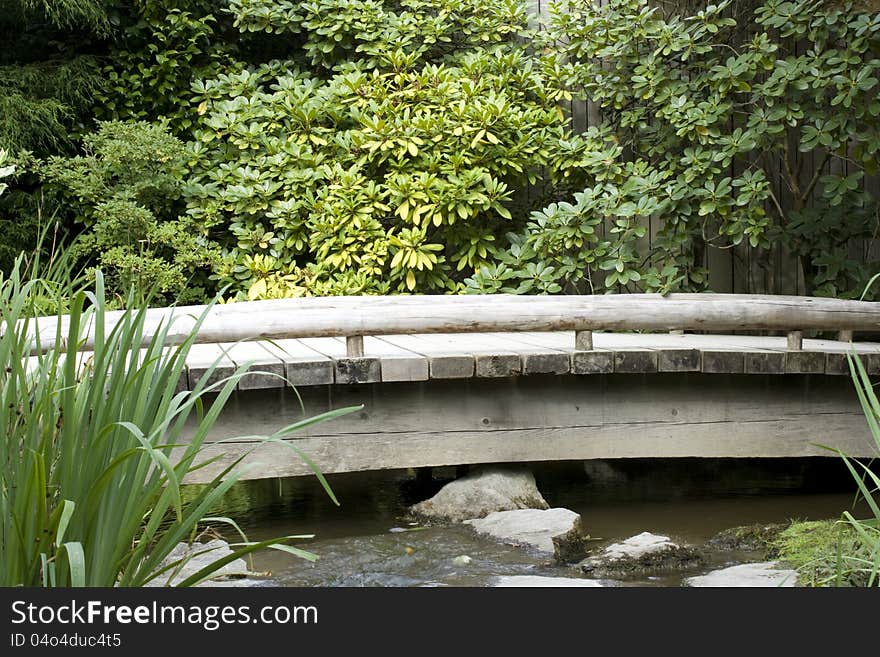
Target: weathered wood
(804, 362)
(346, 370)
(795, 340)
(358, 316)
(266, 367)
(443, 362)
(354, 346)
(383, 451)
(551, 417)
(397, 363)
(200, 361)
(836, 364)
(536, 358)
(592, 362)
(845, 336)
(583, 340)
(303, 366)
(723, 362)
(679, 360)
(764, 362)
(636, 361)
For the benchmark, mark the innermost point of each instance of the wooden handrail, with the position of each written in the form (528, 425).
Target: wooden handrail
(360, 316)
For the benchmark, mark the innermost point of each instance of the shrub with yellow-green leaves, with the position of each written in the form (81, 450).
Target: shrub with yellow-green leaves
(395, 158)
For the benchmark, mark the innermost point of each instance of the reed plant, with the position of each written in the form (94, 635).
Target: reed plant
(95, 445)
(863, 563)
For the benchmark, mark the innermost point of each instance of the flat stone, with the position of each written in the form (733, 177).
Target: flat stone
(235, 573)
(536, 581)
(763, 574)
(551, 531)
(480, 493)
(641, 554)
(638, 546)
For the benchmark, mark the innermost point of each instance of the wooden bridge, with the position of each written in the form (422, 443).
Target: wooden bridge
(474, 379)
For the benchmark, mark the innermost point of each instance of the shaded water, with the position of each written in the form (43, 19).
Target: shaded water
(369, 541)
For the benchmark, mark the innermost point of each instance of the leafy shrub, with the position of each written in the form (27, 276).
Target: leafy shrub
(167, 45)
(125, 190)
(710, 127)
(396, 164)
(5, 170)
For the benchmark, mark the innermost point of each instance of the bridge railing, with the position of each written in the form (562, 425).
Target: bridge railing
(356, 317)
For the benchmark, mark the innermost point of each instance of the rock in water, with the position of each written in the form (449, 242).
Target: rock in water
(766, 573)
(235, 573)
(642, 553)
(534, 581)
(481, 493)
(553, 531)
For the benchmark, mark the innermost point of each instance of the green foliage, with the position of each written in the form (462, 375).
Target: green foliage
(124, 188)
(5, 169)
(89, 493)
(48, 72)
(824, 553)
(379, 146)
(167, 45)
(710, 129)
(393, 166)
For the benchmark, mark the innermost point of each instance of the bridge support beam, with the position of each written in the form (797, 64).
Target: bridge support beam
(542, 417)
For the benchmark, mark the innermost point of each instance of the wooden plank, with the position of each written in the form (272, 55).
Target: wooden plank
(679, 360)
(491, 359)
(636, 361)
(548, 400)
(302, 366)
(267, 369)
(346, 370)
(723, 362)
(443, 361)
(592, 362)
(201, 358)
(750, 439)
(764, 362)
(556, 417)
(395, 362)
(536, 358)
(804, 362)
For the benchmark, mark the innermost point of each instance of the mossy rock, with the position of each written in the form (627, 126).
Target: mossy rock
(749, 538)
(667, 559)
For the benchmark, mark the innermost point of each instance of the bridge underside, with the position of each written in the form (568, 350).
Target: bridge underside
(543, 418)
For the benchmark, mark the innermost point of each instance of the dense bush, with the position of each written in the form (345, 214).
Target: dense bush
(724, 133)
(392, 160)
(125, 189)
(372, 146)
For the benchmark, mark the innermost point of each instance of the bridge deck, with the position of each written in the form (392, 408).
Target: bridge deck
(323, 361)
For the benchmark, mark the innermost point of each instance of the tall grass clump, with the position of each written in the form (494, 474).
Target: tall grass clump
(864, 561)
(90, 492)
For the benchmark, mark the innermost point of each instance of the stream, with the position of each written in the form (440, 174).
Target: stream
(369, 541)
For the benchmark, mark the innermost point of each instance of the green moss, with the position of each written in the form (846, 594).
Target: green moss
(751, 538)
(824, 552)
